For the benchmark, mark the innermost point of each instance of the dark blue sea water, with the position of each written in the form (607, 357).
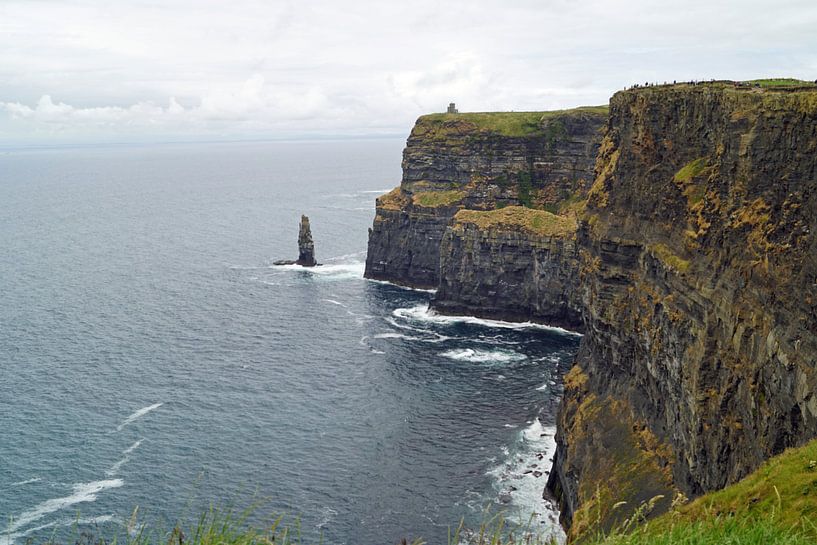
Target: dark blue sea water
(151, 356)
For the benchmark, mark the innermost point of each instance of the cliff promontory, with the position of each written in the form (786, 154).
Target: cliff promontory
(476, 161)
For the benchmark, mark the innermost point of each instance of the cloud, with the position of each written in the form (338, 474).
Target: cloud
(91, 68)
(249, 104)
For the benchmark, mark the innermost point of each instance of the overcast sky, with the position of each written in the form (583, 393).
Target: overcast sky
(134, 70)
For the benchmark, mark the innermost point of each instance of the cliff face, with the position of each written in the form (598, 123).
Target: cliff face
(478, 162)
(698, 261)
(514, 264)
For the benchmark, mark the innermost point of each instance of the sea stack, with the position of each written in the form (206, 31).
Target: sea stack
(306, 248)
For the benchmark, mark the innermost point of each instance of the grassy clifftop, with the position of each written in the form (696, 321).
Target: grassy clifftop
(539, 222)
(513, 124)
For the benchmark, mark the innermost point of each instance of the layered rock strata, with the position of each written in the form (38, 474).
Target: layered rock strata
(698, 263)
(480, 162)
(511, 264)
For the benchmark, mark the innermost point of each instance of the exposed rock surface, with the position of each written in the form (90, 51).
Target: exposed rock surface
(306, 248)
(699, 287)
(480, 162)
(510, 271)
(693, 267)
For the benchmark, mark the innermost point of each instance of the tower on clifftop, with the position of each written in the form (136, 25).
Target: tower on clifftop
(452, 109)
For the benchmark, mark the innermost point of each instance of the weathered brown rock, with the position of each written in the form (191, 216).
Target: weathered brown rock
(306, 248)
(474, 161)
(699, 287)
(509, 272)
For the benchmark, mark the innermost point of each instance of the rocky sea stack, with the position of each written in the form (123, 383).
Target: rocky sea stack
(306, 247)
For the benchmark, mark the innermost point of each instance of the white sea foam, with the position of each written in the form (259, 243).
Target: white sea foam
(543, 388)
(138, 414)
(10, 539)
(27, 481)
(402, 287)
(334, 302)
(393, 336)
(422, 313)
(82, 493)
(377, 191)
(338, 271)
(521, 477)
(483, 356)
(346, 256)
(114, 469)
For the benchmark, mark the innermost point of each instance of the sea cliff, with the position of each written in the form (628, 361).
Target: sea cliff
(699, 295)
(687, 255)
(479, 161)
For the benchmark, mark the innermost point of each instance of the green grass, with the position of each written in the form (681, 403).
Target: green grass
(779, 82)
(665, 255)
(539, 222)
(503, 123)
(690, 170)
(524, 188)
(718, 531)
(777, 504)
(436, 199)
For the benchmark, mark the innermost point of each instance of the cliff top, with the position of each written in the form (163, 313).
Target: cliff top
(760, 86)
(539, 222)
(519, 124)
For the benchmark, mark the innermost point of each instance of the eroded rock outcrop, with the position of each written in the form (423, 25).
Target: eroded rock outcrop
(479, 162)
(512, 264)
(699, 287)
(306, 248)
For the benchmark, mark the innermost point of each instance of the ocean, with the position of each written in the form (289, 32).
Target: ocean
(152, 356)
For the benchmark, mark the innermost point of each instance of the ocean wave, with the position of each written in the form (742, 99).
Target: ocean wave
(82, 493)
(138, 414)
(521, 477)
(339, 271)
(10, 539)
(27, 481)
(392, 335)
(483, 356)
(114, 469)
(402, 287)
(423, 313)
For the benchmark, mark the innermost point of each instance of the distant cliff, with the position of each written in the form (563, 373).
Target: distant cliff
(479, 161)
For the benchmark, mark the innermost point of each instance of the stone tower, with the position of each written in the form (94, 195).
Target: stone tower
(452, 109)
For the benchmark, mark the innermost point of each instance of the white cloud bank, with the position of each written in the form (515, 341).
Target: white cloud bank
(90, 69)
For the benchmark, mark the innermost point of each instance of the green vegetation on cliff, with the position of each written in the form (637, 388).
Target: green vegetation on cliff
(775, 504)
(779, 82)
(435, 199)
(518, 124)
(539, 222)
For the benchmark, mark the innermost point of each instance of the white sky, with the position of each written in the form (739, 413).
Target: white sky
(136, 70)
